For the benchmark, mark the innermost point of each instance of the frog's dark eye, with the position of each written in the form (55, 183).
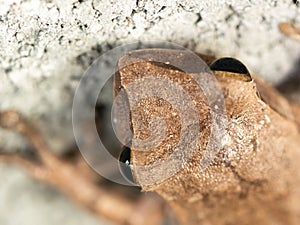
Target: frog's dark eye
(229, 65)
(125, 164)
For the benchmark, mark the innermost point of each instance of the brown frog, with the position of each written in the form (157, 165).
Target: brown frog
(246, 172)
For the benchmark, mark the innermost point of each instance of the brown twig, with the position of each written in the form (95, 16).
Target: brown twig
(38, 172)
(81, 188)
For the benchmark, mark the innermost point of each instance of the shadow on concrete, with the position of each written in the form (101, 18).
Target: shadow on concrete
(290, 86)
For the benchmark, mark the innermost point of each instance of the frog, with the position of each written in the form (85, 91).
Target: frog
(249, 175)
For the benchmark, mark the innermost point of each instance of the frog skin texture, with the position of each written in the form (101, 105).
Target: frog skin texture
(254, 176)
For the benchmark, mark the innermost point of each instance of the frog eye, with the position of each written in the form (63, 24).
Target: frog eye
(229, 65)
(125, 164)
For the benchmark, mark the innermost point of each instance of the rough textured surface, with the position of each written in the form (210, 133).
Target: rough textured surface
(47, 45)
(250, 173)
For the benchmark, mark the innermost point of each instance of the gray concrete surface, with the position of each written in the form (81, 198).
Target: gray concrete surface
(45, 46)
(27, 202)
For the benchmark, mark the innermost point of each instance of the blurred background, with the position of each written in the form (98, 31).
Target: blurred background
(46, 46)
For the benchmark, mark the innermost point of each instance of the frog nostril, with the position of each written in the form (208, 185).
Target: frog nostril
(125, 163)
(229, 65)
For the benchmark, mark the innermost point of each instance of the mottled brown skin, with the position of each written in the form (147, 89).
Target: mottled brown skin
(254, 178)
